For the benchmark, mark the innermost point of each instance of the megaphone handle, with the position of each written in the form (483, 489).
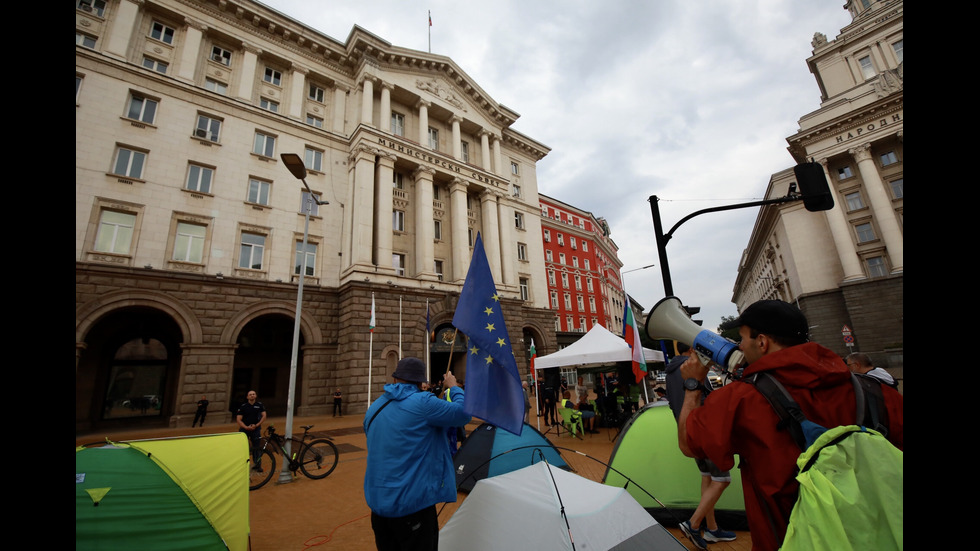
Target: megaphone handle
(705, 360)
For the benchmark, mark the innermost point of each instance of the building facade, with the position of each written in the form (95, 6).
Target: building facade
(845, 266)
(190, 229)
(582, 266)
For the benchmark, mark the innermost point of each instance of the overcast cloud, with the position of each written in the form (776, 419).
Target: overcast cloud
(688, 101)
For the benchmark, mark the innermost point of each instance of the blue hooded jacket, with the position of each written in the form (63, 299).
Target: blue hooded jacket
(409, 466)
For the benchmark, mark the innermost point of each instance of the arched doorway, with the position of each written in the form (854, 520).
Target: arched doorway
(262, 363)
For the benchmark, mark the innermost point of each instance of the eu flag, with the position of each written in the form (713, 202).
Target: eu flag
(493, 385)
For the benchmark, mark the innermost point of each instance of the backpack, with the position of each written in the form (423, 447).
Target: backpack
(851, 477)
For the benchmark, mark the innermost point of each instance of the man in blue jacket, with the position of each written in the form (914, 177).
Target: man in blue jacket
(409, 467)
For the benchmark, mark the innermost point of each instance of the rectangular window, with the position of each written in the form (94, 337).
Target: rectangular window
(564, 280)
(437, 267)
(867, 68)
(554, 299)
(514, 168)
(306, 259)
(588, 284)
(129, 163)
(215, 86)
(547, 236)
(310, 203)
(398, 263)
(398, 124)
(844, 173)
(578, 283)
(96, 7)
(398, 220)
(272, 76)
(316, 93)
(865, 232)
(314, 121)
(561, 240)
(585, 248)
(155, 65)
(437, 230)
(876, 267)
(269, 105)
(551, 277)
(264, 145)
(314, 159)
(569, 324)
(469, 235)
(525, 294)
(592, 304)
(898, 188)
(141, 109)
(199, 178)
(208, 128)
(568, 301)
(517, 190)
(581, 302)
(561, 258)
(436, 194)
(587, 266)
(85, 40)
(161, 32)
(115, 232)
(581, 324)
(433, 139)
(522, 252)
(854, 201)
(253, 248)
(220, 55)
(557, 323)
(189, 242)
(573, 243)
(575, 262)
(464, 148)
(899, 47)
(888, 158)
(519, 220)
(549, 256)
(258, 191)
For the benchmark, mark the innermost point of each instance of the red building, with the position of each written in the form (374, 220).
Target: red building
(583, 270)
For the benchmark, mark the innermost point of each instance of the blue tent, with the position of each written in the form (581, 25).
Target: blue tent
(488, 452)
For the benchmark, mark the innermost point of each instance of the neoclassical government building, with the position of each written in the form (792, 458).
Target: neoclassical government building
(189, 227)
(845, 266)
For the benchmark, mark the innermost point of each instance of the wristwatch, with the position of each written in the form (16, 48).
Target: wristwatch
(692, 384)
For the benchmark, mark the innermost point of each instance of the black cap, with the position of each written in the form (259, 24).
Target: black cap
(411, 370)
(773, 317)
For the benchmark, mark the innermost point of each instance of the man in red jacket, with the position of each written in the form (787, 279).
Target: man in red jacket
(737, 419)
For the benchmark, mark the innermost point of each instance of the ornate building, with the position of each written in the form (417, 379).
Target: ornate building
(845, 266)
(189, 228)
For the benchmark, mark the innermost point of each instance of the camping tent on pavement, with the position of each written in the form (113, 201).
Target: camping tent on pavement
(541, 507)
(177, 493)
(490, 452)
(646, 452)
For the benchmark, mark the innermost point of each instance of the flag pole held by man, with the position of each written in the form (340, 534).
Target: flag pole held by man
(493, 384)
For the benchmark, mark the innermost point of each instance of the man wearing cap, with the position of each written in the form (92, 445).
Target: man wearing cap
(409, 467)
(737, 419)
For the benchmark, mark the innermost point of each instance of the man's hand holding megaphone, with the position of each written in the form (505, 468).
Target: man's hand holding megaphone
(694, 368)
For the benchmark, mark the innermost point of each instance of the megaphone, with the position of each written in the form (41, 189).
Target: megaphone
(669, 321)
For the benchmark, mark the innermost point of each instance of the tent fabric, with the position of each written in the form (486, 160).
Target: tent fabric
(646, 452)
(596, 348)
(178, 493)
(490, 452)
(522, 509)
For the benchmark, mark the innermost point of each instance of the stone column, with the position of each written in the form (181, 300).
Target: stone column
(841, 232)
(424, 228)
(497, 161)
(367, 101)
(339, 106)
(385, 106)
(362, 161)
(491, 231)
(508, 243)
(423, 107)
(121, 29)
(459, 218)
(246, 78)
(297, 92)
(485, 149)
(190, 49)
(881, 205)
(457, 145)
(383, 206)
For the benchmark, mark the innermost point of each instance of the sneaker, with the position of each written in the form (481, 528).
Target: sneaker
(693, 535)
(719, 535)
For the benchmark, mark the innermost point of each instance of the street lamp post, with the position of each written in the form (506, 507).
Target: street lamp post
(295, 165)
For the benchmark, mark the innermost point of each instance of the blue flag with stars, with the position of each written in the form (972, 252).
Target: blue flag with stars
(493, 385)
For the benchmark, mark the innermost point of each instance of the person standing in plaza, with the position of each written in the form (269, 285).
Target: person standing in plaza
(250, 416)
(338, 400)
(202, 411)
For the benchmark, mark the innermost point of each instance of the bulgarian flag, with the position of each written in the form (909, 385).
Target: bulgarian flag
(534, 354)
(372, 313)
(632, 336)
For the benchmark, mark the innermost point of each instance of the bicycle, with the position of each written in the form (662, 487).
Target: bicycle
(315, 458)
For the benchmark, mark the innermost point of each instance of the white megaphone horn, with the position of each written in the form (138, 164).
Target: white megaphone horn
(669, 321)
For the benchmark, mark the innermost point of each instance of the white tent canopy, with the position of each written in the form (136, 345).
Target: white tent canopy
(597, 348)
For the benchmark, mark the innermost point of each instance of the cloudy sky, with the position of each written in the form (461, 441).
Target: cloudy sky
(688, 101)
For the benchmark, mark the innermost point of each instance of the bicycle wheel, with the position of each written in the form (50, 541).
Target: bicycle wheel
(260, 474)
(319, 458)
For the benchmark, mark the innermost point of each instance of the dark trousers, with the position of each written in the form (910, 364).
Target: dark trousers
(199, 416)
(336, 408)
(418, 531)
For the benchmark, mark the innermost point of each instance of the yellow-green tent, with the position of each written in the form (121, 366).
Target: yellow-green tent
(176, 493)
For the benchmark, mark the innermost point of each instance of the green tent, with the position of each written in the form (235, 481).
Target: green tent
(177, 493)
(646, 452)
